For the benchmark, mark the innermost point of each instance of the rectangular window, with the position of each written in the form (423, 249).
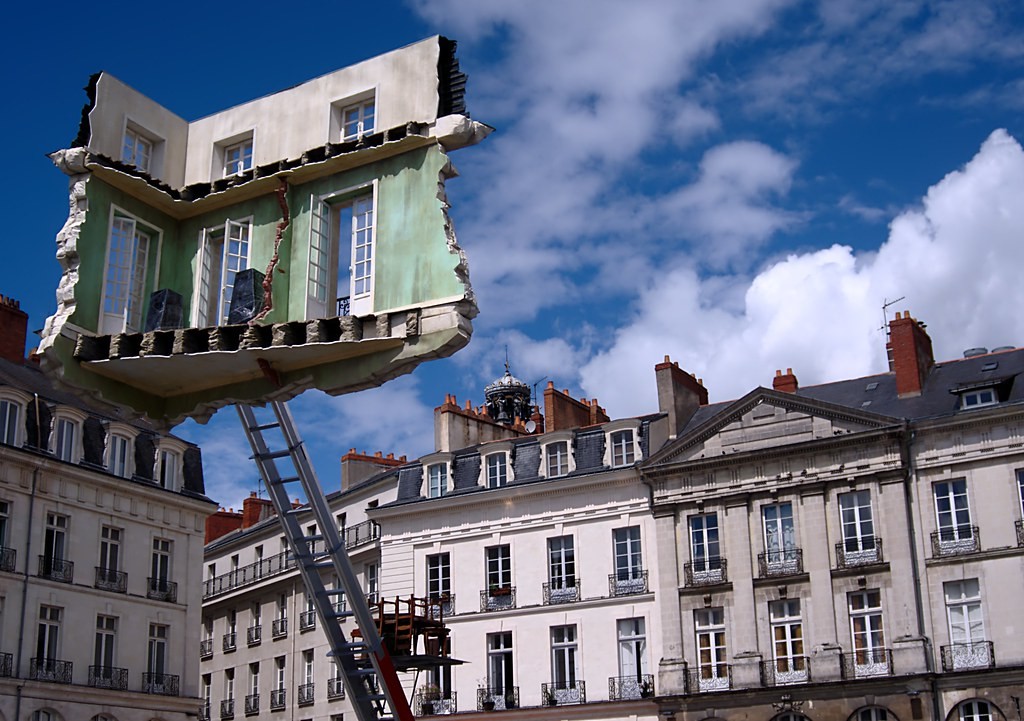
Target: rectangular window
(9, 422)
(124, 289)
(105, 646)
(229, 684)
(705, 550)
(341, 255)
(563, 658)
(628, 556)
(500, 674)
(362, 231)
(1020, 490)
(110, 548)
(168, 470)
(857, 522)
(439, 575)
(712, 667)
(870, 657)
(372, 575)
(632, 651)
(118, 459)
(224, 253)
(952, 512)
(561, 570)
(5, 514)
(357, 120)
(497, 470)
(157, 657)
(254, 679)
(237, 158)
(64, 439)
(137, 150)
(307, 667)
(779, 534)
(160, 565)
(622, 448)
(55, 539)
(978, 398)
(279, 673)
(790, 664)
(557, 456)
(48, 637)
(499, 567)
(968, 648)
(437, 480)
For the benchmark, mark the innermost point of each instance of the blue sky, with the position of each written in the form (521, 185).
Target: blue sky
(738, 184)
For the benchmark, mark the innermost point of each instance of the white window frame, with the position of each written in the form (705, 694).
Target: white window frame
(500, 663)
(557, 457)
(705, 544)
(564, 658)
(496, 468)
(712, 647)
(627, 550)
(498, 565)
(437, 480)
(67, 421)
(111, 538)
(978, 398)
(786, 623)
(953, 513)
(159, 640)
(779, 533)
(138, 148)
(622, 443)
(120, 451)
(974, 710)
(632, 646)
(238, 157)
(105, 645)
(218, 263)
(161, 559)
(365, 106)
(867, 633)
(55, 536)
(561, 563)
(5, 515)
(439, 575)
(964, 611)
(126, 271)
(328, 266)
(11, 427)
(857, 522)
(48, 634)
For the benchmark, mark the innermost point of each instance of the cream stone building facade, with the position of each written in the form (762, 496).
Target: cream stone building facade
(101, 548)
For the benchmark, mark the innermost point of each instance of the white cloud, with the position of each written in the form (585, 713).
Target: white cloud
(820, 312)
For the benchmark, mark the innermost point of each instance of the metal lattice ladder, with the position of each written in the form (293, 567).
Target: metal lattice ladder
(371, 680)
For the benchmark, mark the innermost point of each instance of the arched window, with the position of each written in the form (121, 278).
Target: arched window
(103, 717)
(975, 711)
(11, 419)
(791, 717)
(44, 714)
(873, 713)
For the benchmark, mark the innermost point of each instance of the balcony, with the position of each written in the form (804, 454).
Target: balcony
(335, 688)
(497, 699)
(708, 678)
(204, 711)
(254, 635)
(1019, 525)
(707, 572)
(6, 665)
(160, 589)
(429, 702)
(441, 606)
(160, 684)
(8, 558)
(627, 582)
(955, 541)
(227, 709)
(786, 670)
(344, 305)
(361, 534)
(307, 620)
(563, 692)
(773, 564)
(206, 648)
(109, 677)
(867, 663)
(627, 688)
(562, 591)
(864, 551)
(107, 579)
(229, 642)
(50, 669)
(56, 569)
(277, 698)
(279, 628)
(306, 694)
(252, 704)
(498, 598)
(248, 575)
(965, 656)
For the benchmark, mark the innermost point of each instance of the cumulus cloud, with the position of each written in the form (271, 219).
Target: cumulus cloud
(820, 312)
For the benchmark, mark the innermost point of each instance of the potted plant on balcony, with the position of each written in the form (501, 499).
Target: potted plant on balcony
(500, 590)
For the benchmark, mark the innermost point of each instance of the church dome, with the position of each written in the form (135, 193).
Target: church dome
(508, 399)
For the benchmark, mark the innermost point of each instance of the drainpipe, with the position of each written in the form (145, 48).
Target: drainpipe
(909, 436)
(24, 584)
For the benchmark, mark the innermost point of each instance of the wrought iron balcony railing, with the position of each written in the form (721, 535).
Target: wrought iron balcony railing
(252, 704)
(307, 620)
(335, 688)
(206, 648)
(786, 670)
(248, 575)
(279, 628)
(789, 562)
(964, 656)
(627, 582)
(563, 692)
(441, 606)
(428, 702)
(1019, 525)
(8, 559)
(254, 635)
(107, 579)
(624, 688)
(227, 709)
(863, 551)
(708, 678)
(277, 698)
(160, 589)
(6, 665)
(50, 669)
(161, 684)
(204, 711)
(110, 677)
(497, 698)
(707, 572)
(562, 591)
(56, 569)
(867, 662)
(344, 305)
(229, 642)
(956, 541)
(361, 534)
(306, 693)
(498, 598)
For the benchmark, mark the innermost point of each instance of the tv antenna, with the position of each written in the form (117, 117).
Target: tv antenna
(885, 312)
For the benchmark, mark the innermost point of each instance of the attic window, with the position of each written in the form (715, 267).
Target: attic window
(871, 386)
(990, 366)
(865, 404)
(978, 398)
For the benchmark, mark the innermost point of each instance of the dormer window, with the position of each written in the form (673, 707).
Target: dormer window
(977, 398)
(437, 480)
(621, 443)
(167, 470)
(497, 470)
(67, 434)
(10, 412)
(556, 458)
(118, 457)
(622, 448)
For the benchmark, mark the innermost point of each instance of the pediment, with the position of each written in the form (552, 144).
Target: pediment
(766, 419)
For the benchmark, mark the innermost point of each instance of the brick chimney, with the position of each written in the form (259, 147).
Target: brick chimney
(222, 523)
(13, 330)
(785, 382)
(910, 354)
(458, 427)
(562, 411)
(255, 509)
(357, 467)
(679, 394)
